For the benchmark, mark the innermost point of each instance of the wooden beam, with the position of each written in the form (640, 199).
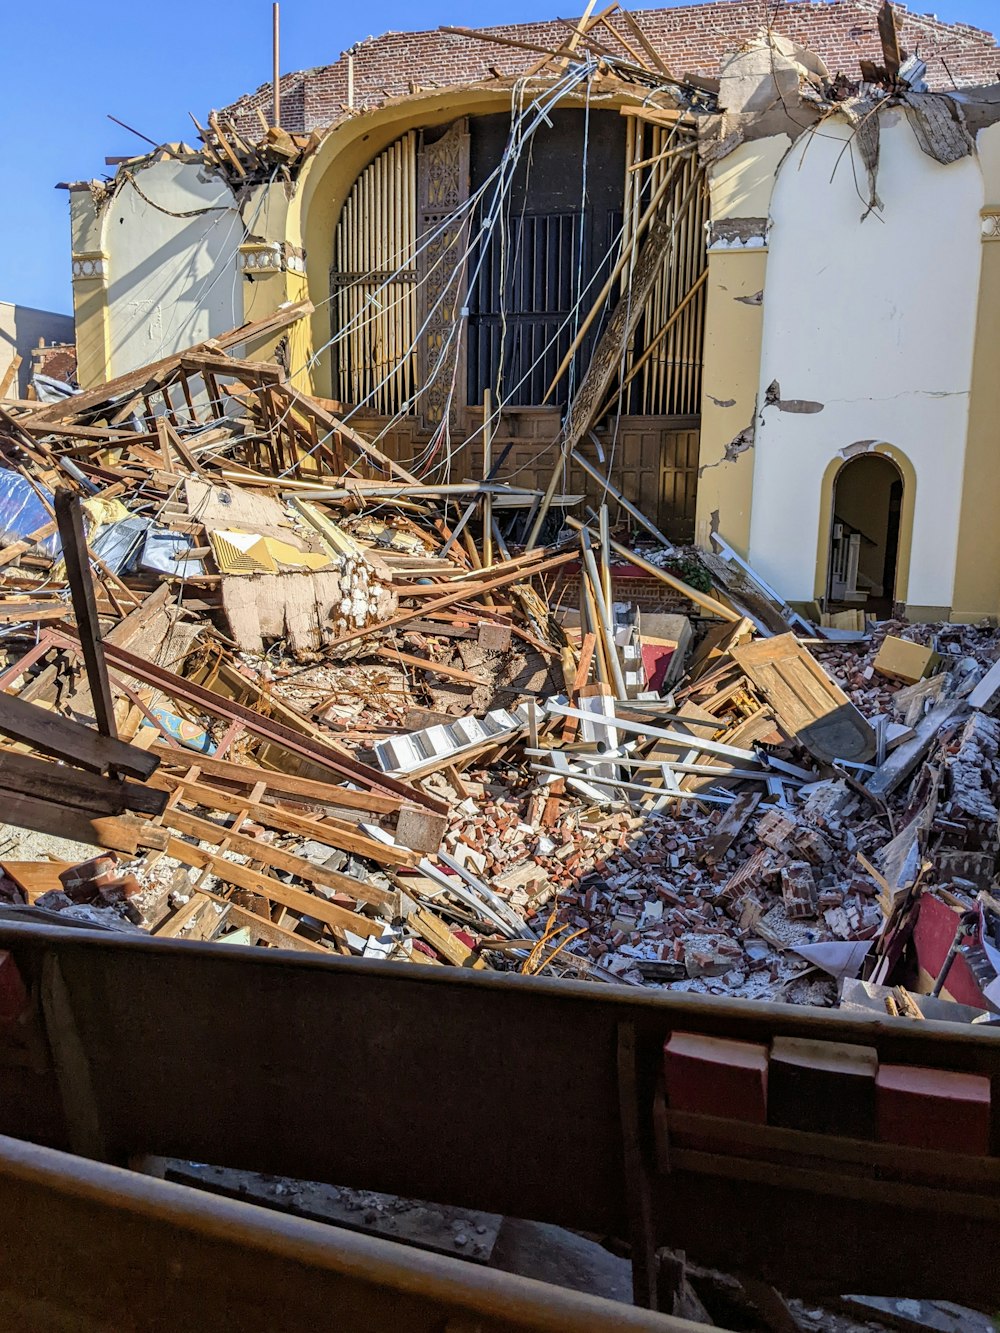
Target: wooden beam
(308, 871)
(463, 593)
(81, 585)
(31, 776)
(62, 738)
(332, 832)
(298, 900)
(423, 664)
(287, 784)
(135, 380)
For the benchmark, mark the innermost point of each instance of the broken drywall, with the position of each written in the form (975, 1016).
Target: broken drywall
(773, 398)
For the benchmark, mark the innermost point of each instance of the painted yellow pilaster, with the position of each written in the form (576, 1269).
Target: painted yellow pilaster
(272, 265)
(90, 288)
(733, 320)
(740, 186)
(93, 324)
(977, 569)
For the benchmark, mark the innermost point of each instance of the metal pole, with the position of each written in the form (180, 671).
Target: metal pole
(276, 23)
(604, 626)
(487, 466)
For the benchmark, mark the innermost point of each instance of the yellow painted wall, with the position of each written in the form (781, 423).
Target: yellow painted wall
(740, 188)
(733, 320)
(977, 570)
(90, 294)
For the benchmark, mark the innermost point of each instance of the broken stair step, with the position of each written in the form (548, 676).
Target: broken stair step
(406, 754)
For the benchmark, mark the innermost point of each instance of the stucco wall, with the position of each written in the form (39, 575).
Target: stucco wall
(977, 575)
(172, 281)
(868, 333)
(740, 186)
(21, 329)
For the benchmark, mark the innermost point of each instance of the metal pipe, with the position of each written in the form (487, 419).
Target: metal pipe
(275, 39)
(604, 625)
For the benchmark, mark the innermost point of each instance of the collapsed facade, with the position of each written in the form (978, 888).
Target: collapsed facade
(810, 373)
(304, 722)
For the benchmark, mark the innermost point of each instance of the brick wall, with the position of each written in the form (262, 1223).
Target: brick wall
(690, 39)
(628, 584)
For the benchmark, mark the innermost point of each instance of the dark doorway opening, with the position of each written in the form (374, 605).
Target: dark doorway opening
(864, 542)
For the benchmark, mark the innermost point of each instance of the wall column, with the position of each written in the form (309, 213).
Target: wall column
(977, 567)
(733, 324)
(740, 185)
(90, 288)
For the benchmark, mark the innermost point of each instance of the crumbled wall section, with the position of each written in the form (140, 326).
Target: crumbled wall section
(690, 40)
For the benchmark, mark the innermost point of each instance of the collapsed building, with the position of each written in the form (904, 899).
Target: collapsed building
(450, 249)
(524, 520)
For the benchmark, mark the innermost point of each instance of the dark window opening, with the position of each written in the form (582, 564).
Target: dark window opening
(551, 242)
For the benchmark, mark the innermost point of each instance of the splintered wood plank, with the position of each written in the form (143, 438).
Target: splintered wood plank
(34, 878)
(70, 741)
(712, 849)
(806, 701)
(275, 858)
(298, 900)
(330, 831)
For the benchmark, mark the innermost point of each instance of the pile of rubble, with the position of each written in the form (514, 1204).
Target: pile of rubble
(275, 690)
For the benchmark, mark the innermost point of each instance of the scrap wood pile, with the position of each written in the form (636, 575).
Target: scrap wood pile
(276, 690)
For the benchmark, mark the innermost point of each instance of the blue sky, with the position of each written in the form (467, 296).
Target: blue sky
(68, 65)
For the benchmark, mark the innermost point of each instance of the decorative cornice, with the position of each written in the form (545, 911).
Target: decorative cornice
(745, 234)
(263, 257)
(90, 265)
(990, 221)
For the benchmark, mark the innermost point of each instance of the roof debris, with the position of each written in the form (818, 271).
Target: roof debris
(310, 718)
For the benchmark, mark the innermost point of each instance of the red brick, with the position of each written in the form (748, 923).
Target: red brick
(714, 1076)
(933, 1108)
(690, 40)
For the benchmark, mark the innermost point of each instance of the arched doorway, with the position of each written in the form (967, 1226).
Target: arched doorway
(864, 538)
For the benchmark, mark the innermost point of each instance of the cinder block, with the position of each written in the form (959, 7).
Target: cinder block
(715, 1076)
(933, 1108)
(823, 1087)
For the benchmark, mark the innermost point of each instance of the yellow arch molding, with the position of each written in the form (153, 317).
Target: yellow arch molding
(909, 476)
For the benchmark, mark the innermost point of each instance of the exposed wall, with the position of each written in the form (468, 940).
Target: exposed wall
(868, 336)
(977, 572)
(740, 186)
(21, 329)
(688, 38)
(172, 281)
